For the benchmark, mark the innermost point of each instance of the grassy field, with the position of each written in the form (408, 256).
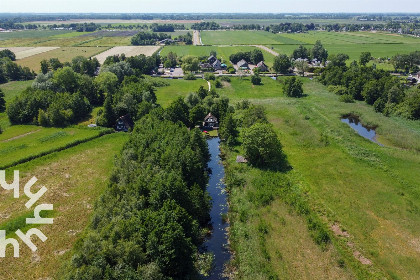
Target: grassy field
(63, 54)
(177, 88)
(371, 192)
(242, 37)
(222, 52)
(20, 142)
(266, 22)
(75, 178)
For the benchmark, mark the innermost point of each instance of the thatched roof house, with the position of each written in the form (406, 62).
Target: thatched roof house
(262, 66)
(242, 64)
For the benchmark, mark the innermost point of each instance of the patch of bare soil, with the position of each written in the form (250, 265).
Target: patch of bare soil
(338, 231)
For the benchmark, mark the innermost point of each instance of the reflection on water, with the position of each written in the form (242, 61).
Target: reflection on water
(366, 132)
(217, 243)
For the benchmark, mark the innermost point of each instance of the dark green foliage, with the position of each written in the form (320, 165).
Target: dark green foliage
(365, 57)
(178, 111)
(107, 118)
(282, 64)
(205, 26)
(146, 224)
(82, 65)
(225, 79)
(262, 147)
(256, 79)
(120, 69)
(346, 98)
(301, 52)
(228, 130)
(338, 60)
(253, 56)
(45, 66)
(292, 87)
(218, 84)
(8, 53)
(10, 71)
(209, 77)
(146, 38)
(189, 76)
(318, 52)
(2, 102)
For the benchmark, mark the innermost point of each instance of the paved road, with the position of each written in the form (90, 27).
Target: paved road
(196, 38)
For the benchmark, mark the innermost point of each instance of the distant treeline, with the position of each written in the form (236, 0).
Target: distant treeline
(290, 27)
(18, 17)
(145, 38)
(79, 27)
(166, 27)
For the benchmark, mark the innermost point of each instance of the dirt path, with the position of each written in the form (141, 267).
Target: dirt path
(209, 85)
(267, 49)
(20, 136)
(196, 38)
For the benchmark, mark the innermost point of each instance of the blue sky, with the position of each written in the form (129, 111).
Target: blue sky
(201, 6)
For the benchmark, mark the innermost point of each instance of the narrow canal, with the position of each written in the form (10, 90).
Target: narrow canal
(217, 243)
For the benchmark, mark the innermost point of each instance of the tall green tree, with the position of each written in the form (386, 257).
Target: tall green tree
(2, 102)
(293, 87)
(365, 58)
(282, 64)
(319, 52)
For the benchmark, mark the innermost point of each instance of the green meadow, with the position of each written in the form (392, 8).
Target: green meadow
(368, 191)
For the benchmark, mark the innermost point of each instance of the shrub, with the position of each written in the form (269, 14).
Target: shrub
(256, 79)
(262, 147)
(218, 84)
(346, 98)
(189, 76)
(225, 79)
(292, 87)
(209, 76)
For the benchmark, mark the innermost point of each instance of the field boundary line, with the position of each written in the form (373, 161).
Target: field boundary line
(58, 149)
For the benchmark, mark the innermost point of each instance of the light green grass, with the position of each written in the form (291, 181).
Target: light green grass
(371, 191)
(177, 88)
(23, 141)
(222, 52)
(31, 34)
(244, 37)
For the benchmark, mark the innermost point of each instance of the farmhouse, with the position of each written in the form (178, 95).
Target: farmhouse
(217, 65)
(242, 64)
(124, 123)
(211, 59)
(206, 67)
(262, 66)
(210, 121)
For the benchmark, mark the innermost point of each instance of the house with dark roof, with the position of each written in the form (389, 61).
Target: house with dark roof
(124, 123)
(211, 59)
(262, 66)
(242, 64)
(210, 121)
(206, 67)
(217, 65)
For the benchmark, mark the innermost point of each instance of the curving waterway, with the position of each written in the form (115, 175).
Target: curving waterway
(217, 243)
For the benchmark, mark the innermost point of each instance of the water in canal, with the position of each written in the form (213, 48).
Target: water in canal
(366, 132)
(217, 243)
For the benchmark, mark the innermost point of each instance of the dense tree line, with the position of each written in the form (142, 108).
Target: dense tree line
(386, 93)
(406, 62)
(205, 26)
(147, 38)
(187, 38)
(290, 27)
(139, 64)
(10, 71)
(147, 223)
(79, 27)
(79, 64)
(253, 56)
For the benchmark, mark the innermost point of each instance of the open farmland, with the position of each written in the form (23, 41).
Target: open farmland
(128, 51)
(21, 142)
(370, 192)
(75, 178)
(24, 52)
(63, 54)
(242, 37)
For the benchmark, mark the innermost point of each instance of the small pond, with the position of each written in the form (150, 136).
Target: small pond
(217, 243)
(364, 131)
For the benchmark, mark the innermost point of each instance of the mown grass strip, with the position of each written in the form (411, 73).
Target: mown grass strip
(69, 145)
